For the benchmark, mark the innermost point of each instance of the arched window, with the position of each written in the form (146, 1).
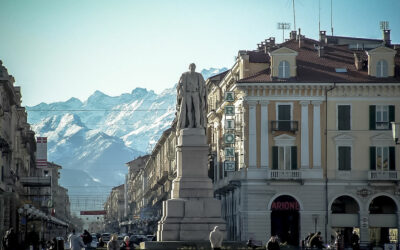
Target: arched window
(284, 69)
(382, 69)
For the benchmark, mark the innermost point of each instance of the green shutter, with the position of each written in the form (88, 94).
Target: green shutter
(372, 158)
(372, 117)
(392, 159)
(391, 115)
(274, 157)
(294, 157)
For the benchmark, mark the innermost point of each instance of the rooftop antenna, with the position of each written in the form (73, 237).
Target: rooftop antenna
(319, 16)
(283, 27)
(384, 25)
(331, 18)
(294, 16)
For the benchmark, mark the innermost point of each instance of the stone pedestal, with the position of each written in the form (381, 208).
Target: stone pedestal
(192, 212)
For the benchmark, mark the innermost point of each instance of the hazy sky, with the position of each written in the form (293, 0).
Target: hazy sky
(62, 49)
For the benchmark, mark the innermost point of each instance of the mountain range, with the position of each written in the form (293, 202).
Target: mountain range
(92, 140)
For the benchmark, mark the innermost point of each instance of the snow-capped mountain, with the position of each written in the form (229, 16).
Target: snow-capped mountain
(92, 140)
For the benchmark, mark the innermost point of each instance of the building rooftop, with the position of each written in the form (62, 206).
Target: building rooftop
(337, 64)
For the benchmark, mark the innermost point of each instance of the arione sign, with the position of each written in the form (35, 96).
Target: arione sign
(285, 205)
(41, 152)
(229, 136)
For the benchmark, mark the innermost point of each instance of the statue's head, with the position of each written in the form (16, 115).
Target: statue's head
(192, 67)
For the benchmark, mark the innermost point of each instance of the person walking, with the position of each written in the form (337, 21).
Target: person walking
(87, 238)
(216, 238)
(355, 241)
(127, 244)
(75, 241)
(10, 241)
(273, 244)
(113, 243)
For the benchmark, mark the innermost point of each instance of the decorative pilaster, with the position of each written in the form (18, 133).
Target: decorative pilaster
(305, 161)
(317, 134)
(264, 134)
(364, 226)
(252, 135)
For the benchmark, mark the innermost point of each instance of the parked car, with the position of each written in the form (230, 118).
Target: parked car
(94, 243)
(136, 238)
(106, 237)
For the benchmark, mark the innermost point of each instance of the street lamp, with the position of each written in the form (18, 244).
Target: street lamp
(396, 132)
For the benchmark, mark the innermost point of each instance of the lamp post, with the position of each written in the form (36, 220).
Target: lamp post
(396, 132)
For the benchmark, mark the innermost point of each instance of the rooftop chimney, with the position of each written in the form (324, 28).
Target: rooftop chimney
(321, 51)
(293, 34)
(322, 36)
(299, 37)
(386, 37)
(357, 61)
(270, 41)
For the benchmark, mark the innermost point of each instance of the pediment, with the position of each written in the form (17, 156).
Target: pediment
(283, 51)
(381, 50)
(284, 140)
(344, 137)
(382, 139)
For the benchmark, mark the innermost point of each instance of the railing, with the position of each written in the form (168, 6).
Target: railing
(383, 175)
(35, 181)
(291, 126)
(284, 174)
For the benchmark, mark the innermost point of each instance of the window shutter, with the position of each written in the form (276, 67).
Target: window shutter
(372, 117)
(372, 158)
(294, 157)
(274, 157)
(392, 159)
(344, 158)
(344, 117)
(391, 115)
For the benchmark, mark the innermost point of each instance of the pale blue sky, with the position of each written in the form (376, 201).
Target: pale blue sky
(62, 49)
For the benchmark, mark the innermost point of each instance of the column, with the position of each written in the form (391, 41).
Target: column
(317, 134)
(305, 161)
(217, 165)
(252, 135)
(364, 226)
(264, 134)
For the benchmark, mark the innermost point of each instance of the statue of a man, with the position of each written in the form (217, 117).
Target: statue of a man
(191, 100)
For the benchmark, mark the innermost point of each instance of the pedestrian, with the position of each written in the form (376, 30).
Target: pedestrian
(127, 244)
(113, 243)
(10, 241)
(101, 242)
(33, 239)
(273, 243)
(216, 238)
(355, 241)
(87, 238)
(339, 242)
(316, 241)
(75, 241)
(307, 240)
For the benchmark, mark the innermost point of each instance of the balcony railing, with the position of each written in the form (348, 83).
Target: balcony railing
(291, 126)
(285, 174)
(383, 175)
(36, 181)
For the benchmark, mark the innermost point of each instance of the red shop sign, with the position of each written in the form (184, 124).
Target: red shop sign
(285, 205)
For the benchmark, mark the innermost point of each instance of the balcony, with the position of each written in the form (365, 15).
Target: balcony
(289, 126)
(285, 174)
(383, 175)
(36, 181)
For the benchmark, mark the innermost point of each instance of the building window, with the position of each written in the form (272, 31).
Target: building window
(344, 117)
(380, 117)
(284, 157)
(382, 158)
(344, 158)
(284, 69)
(382, 69)
(284, 117)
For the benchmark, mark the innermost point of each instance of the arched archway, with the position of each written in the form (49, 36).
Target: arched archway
(285, 219)
(382, 220)
(345, 217)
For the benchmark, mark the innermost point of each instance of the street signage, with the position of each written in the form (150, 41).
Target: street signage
(229, 138)
(229, 124)
(229, 166)
(94, 212)
(229, 96)
(229, 110)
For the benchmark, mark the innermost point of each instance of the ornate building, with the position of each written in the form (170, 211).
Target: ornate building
(300, 140)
